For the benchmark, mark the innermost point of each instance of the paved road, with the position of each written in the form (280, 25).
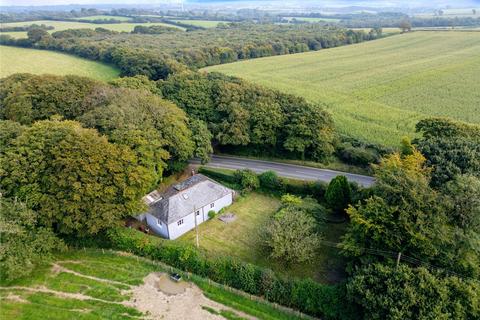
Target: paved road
(284, 170)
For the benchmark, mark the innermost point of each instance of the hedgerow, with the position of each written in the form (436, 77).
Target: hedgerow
(304, 295)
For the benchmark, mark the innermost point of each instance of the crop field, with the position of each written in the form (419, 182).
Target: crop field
(64, 25)
(378, 90)
(313, 20)
(104, 17)
(23, 60)
(200, 23)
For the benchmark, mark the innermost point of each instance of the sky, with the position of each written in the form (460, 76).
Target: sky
(373, 3)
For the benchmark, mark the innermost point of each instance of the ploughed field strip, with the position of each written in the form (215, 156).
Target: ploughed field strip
(378, 90)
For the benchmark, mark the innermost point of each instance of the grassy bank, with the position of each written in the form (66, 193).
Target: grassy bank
(96, 284)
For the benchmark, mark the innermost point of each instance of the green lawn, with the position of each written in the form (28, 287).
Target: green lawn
(240, 239)
(200, 23)
(23, 60)
(378, 90)
(64, 25)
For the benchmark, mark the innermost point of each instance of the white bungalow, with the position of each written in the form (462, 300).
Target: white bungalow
(171, 213)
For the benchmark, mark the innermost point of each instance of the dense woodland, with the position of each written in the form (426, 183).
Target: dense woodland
(157, 56)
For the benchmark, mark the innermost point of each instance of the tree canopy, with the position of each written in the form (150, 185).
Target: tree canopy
(74, 179)
(386, 292)
(25, 244)
(451, 148)
(291, 233)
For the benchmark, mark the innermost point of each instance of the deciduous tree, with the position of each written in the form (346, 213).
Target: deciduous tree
(291, 236)
(74, 179)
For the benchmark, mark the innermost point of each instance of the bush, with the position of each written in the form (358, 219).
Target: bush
(290, 200)
(218, 175)
(211, 214)
(247, 179)
(315, 189)
(339, 194)
(357, 155)
(269, 180)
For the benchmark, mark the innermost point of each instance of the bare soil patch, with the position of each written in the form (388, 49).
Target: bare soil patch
(161, 298)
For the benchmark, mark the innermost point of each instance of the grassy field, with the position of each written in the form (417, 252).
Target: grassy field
(378, 90)
(94, 284)
(313, 20)
(23, 60)
(200, 23)
(64, 25)
(104, 17)
(240, 239)
(74, 296)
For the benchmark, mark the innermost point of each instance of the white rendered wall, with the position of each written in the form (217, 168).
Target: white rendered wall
(176, 230)
(157, 226)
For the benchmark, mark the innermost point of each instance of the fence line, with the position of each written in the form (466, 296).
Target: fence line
(168, 268)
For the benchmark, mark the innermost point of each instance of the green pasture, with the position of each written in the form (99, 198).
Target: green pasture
(105, 17)
(23, 60)
(378, 90)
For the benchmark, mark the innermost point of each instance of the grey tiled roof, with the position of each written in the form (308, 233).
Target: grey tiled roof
(179, 200)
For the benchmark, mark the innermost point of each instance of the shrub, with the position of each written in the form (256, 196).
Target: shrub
(269, 180)
(357, 155)
(211, 214)
(290, 200)
(218, 175)
(247, 179)
(338, 194)
(315, 189)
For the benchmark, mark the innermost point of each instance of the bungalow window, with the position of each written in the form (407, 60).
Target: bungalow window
(180, 222)
(212, 205)
(198, 212)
